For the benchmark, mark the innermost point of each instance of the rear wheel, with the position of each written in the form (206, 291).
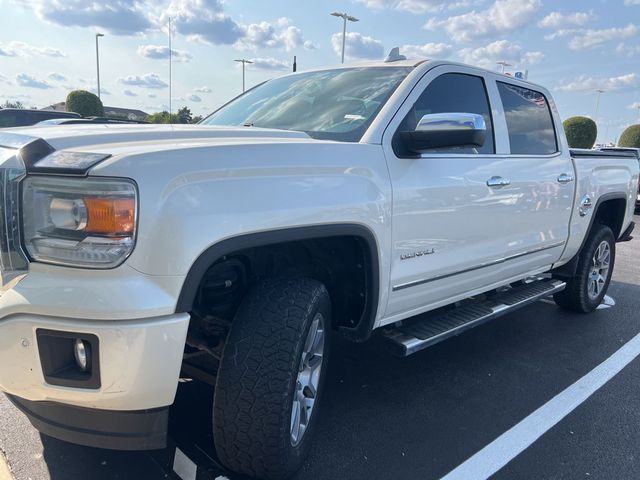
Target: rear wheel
(270, 380)
(586, 290)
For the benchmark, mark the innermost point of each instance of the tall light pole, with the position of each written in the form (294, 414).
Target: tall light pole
(243, 61)
(598, 93)
(503, 64)
(638, 118)
(345, 17)
(98, 35)
(170, 67)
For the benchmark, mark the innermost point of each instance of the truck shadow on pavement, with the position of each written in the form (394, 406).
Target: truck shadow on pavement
(385, 417)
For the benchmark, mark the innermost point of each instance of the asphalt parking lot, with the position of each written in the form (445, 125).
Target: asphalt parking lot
(423, 416)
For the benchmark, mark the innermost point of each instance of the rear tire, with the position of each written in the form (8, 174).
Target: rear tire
(270, 379)
(586, 290)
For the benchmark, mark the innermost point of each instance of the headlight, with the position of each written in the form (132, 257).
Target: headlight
(88, 222)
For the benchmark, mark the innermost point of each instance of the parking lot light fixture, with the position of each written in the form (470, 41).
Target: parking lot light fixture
(98, 35)
(345, 17)
(243, 61)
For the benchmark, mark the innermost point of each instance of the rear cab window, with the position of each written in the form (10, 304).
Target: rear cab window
(529, 121)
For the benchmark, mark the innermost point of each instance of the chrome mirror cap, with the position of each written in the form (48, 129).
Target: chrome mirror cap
(453, 121)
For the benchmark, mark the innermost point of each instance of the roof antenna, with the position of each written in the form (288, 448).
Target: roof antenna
(394, 55)
(295, 64)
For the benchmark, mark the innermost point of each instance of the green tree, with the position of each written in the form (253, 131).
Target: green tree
(196, 119)
(16, 104)
(630, 137)
(85, 103)
(184, 115)
(581, 132)
(163, 117)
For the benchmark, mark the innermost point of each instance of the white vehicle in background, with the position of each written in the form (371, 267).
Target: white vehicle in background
(406, 200)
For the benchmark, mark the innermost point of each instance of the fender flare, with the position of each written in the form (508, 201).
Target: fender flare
(568, 270)
(227, 246)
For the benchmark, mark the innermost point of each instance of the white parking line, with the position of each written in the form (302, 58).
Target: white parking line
(5, 473)
(507, 446)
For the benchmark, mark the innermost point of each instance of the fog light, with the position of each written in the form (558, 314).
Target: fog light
(82, 351)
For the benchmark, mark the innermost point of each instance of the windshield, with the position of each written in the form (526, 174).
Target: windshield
(330, 104)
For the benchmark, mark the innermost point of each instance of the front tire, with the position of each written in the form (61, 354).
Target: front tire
(586, 290)
(270, 379)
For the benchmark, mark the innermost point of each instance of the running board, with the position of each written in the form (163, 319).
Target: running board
(428, 329)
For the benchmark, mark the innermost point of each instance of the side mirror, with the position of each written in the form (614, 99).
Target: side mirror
(446, 130)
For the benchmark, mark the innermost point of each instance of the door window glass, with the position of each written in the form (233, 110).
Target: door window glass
(529, 121)
(454, 93)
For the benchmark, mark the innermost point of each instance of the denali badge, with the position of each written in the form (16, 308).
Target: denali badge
(406, 256)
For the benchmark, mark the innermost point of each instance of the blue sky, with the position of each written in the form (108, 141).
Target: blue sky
(572, 47)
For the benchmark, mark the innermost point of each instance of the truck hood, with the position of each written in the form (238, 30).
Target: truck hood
(113, 139)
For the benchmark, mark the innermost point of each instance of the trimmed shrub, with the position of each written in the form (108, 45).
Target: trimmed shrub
(630, 137)
(581, 132)
(85, 103)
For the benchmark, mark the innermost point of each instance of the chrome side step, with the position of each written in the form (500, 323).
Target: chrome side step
(430, 328)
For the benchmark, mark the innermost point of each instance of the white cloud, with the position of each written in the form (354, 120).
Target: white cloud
(417, 7)
(611, 84)
(103, 91)
(57, 77)
(282, 34)
(28, 81)
(500, 50)
(634, 105)
(118, 17)
(561, 20)
(162, 52)
(502, 17)
(22, 49)
(628, 50)
(428, 50)
(592, 38)
(632, 2)
(309, 45)
(194, 98)
(202, 90)
(268, 63)
(129, 93)
(150, 80)
(151, 95)
(202, 20)
(357, 46)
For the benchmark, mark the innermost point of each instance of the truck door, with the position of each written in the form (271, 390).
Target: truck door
(466, 219)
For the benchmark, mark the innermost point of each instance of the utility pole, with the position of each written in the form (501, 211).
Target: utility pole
(598, 93)
(170, 110)
(98, 35)
(638, 118)
(345, 17)
(503, 64)
(243, 61)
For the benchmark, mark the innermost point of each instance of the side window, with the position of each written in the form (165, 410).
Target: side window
(529, 121)
(454, 92)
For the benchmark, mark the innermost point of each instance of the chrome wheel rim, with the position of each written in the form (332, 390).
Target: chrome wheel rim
(600, 264)
(306, 390)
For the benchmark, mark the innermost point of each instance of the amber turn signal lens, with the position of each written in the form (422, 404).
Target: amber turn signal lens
(110, 216)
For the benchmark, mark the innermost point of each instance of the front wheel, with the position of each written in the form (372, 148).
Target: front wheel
(586, 290)
(270, 379)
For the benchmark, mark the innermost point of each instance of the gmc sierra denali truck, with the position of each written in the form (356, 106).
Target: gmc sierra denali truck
(403, 201)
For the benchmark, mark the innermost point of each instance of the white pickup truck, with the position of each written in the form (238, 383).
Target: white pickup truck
(403, 201)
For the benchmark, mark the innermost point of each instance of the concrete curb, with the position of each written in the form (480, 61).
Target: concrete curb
(5, 471)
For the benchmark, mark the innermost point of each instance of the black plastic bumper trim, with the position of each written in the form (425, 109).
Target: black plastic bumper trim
(110, 429)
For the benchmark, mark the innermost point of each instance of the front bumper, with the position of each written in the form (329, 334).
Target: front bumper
(137, 430)
(139, 361)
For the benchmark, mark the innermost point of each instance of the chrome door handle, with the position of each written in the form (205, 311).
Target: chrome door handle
(565, 178)
(498, 182)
